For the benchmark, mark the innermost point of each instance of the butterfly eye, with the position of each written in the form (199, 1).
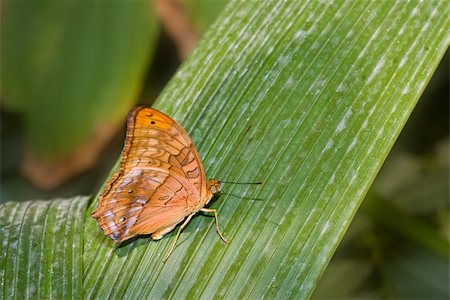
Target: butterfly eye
(213, 189)
(122, 219)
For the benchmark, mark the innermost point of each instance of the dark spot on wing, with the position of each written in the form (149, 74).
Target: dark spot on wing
(194, 173)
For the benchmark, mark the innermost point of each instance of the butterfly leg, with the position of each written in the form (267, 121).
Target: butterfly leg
(217, 222)
(177, 236)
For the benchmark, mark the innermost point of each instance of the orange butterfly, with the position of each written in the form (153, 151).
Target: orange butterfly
(161, 181)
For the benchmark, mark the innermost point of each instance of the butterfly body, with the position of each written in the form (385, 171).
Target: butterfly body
(160, 183)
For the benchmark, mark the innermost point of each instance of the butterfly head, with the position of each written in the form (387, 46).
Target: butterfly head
(213, 187)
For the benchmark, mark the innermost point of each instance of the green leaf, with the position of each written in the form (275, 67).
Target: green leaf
(72, 66)
(335, 283)
(417, 273)
(42, 242)
(309, 98)
(203, 13)
(325, 90)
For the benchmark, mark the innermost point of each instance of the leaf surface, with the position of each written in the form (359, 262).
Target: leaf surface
(308, 97)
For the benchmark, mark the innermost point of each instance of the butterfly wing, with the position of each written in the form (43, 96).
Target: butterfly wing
(160, 181)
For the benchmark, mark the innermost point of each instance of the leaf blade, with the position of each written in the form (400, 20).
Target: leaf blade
(80, 64)
(344, 99)
(41, 248)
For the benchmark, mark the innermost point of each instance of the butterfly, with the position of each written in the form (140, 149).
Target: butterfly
(161, 182)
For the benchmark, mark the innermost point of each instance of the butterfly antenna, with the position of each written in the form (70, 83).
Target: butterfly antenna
(240, 197)
(234, 182)
(236, 196)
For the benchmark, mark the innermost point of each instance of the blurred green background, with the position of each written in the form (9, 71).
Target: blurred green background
(397, 245)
